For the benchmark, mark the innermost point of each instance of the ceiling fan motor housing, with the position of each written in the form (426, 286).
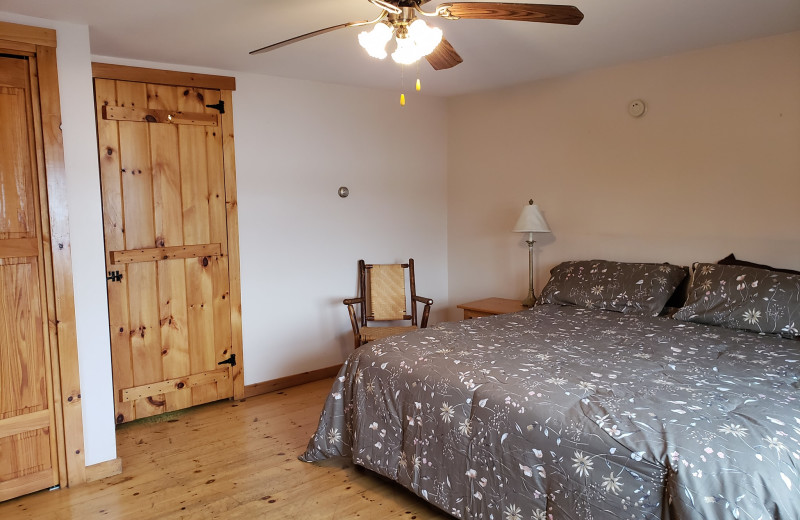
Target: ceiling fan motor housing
(402, 19)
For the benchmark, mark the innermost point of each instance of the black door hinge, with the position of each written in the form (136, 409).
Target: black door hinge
(114, 276)
(219, 106)
(230, 361)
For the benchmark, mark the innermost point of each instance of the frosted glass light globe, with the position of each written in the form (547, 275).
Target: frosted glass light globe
(406, 52)
(424, 37)
(374, 41)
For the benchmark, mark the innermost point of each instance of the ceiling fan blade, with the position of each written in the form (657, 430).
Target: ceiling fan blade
(444, 56)
(563, 14)
(305, 36)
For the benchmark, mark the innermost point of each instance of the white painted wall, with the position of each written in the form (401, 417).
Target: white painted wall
(296, 143)
(86, 233)
(713, 167)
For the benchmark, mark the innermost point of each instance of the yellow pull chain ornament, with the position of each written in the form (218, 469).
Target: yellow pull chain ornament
(419, 87)
(402, 100)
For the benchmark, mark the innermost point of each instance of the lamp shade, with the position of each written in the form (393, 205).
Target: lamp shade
(531, 221)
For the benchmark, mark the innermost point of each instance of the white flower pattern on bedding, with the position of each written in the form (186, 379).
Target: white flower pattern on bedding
(742, 297)
(564, 412)
(618, 286)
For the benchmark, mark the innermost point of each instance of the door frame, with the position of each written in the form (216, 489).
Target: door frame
(40, 44)
(226, 85)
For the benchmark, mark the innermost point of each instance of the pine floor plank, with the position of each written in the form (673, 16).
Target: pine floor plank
(231, 460)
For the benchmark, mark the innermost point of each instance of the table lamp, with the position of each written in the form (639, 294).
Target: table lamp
(530, 221)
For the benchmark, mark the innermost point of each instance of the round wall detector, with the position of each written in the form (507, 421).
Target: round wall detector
(637, 108)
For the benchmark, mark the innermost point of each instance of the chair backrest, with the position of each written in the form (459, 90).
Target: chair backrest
(383, 287)
(387, 292)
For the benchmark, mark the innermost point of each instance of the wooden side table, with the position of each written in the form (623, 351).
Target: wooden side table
(490, 307)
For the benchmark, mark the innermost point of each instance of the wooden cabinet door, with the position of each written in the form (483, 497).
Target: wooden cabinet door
(164, 216)
(28, 460)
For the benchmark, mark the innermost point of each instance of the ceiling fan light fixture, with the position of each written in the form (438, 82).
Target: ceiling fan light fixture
(399, 16)
(374, 41)
(415, 41)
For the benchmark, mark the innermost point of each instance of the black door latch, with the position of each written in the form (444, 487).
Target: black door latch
(219, 106)
(114, 276)
(230, 361)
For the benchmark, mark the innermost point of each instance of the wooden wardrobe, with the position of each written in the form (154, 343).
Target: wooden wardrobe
(41, 429)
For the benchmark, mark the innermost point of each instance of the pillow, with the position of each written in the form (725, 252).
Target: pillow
(741, 297)
(732, 260)
(615, 286)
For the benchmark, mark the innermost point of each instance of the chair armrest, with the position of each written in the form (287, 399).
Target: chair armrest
(353, 318)
(426, 311)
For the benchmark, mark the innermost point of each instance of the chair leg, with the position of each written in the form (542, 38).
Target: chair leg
(425, 315)
(354, 323)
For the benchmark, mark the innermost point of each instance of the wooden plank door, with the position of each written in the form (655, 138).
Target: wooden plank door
(28, 457)
(166, 234)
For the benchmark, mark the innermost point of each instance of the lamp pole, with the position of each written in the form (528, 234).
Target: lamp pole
(530, 301)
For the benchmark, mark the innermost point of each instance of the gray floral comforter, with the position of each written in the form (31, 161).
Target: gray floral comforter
(572, 413)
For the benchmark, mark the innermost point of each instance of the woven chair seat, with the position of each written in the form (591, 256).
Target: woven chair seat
(373, 333)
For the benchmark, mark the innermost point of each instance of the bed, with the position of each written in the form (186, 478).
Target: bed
(594, 409)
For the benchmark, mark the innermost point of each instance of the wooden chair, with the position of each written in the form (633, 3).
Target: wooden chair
(382, 297)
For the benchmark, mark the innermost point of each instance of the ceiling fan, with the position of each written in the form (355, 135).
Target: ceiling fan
(415, 39)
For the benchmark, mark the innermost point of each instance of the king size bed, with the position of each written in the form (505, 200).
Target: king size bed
(590, 406)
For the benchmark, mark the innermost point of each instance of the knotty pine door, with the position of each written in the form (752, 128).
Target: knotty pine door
(28, 457)
(166, 234)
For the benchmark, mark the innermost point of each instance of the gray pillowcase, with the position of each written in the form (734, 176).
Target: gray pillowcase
(747, 298)
(616, 286)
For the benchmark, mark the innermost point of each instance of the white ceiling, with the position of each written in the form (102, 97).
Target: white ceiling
(219, 34)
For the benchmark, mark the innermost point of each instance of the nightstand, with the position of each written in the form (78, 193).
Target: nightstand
(490, 307)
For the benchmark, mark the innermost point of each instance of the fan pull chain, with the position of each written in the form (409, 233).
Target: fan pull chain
(402, 95)
(419, 86)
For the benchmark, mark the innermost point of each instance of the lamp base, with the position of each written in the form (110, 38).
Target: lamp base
(530, 301)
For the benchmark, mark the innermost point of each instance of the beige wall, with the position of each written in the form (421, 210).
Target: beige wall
(713, 166)
(717, 155)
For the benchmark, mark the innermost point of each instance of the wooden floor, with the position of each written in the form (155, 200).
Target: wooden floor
(230, 459)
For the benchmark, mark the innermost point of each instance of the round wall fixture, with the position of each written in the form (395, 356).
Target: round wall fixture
(344, 192)
(637, 108)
